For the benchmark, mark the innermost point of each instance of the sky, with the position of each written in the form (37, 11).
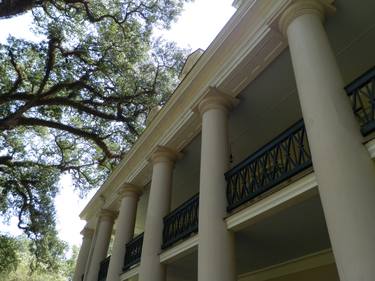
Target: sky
(195, 28)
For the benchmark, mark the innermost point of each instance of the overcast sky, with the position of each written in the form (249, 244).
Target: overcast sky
(196, 27)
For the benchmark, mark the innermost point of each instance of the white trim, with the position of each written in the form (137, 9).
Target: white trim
(371, 148)
(137, 170)
(176, 127)
(130, 273)
(307, 262)
(180, 250)
(246, 48)
(289, 194)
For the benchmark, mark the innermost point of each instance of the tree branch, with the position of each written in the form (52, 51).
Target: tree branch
(23, 121)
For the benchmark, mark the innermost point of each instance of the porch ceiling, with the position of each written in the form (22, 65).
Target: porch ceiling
(294, 232)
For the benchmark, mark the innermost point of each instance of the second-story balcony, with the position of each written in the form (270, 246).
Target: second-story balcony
(133, 252)
(362, 95)
(181, 222)
(103, 269)
(285, 156)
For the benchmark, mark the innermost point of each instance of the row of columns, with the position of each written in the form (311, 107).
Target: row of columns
(343, 167)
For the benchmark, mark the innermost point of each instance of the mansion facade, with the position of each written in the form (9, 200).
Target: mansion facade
(261, 164)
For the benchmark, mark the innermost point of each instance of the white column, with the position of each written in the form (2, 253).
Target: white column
(87, 235)
(158, 206)
(100, 248)
(124, 229)
(343, 167)
(216, 259)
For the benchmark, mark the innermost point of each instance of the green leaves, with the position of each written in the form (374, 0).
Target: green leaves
(77, 100)
(8, 253)
(19, 262)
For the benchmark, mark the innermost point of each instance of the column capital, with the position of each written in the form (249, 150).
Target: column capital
(165, 154)
(87, 232)
(321, 8)
(216, 99)
(129, 190)
(108, 215)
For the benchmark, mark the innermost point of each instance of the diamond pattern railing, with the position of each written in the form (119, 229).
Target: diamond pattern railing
(181, 222)
(282, 158)
(133, 252)
(103, 269)
(362, 96)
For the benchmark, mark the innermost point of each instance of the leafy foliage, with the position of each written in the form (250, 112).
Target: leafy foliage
(8, 253)
(20, 270)
(75, 101)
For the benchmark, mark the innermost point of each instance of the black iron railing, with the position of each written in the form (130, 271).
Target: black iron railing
(282, 158)
(133, 252)
(362, 95)
(181, 222)
(103, 269)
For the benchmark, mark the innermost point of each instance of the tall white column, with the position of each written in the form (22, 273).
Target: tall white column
(124, 229)
(158, 206)
(216, 259)
(344, 170)
(87, 235)
(100, 248)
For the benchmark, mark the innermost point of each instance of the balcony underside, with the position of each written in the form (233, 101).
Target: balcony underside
(283, 236)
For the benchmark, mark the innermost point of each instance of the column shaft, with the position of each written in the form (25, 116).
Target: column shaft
(216, 260)
(158, 207)
(100, 249)
(83, 254)
(343, 167)
(124, 232)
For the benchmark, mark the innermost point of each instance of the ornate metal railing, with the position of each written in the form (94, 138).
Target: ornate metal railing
(103, 269)
(181, 222)
(133, 252)
(282, 158)
(362, 95)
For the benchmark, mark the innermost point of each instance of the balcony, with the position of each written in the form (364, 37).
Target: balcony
(285, 156)
(103, 269)
(362, 95)
(181, 222)
(133, 252)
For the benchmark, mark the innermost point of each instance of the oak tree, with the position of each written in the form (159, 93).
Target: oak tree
(76, 100)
